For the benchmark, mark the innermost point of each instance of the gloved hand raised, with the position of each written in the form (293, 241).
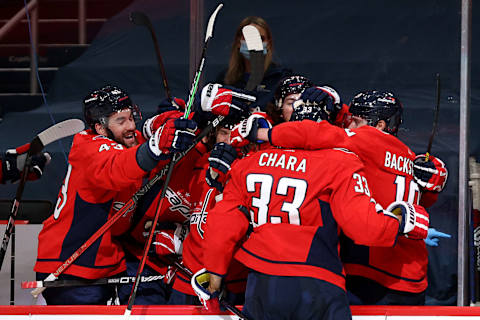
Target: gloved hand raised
(220, 160)
(13, 163)
(246, 131)
(175, 135)
(431, 175)
(226, 101)
(317, 104)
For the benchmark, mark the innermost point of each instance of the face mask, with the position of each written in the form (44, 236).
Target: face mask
(244, 50)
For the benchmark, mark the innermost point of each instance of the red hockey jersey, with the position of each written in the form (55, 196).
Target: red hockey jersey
(176, 207)
(102, 175)
(389, 170)
(298, 202)
(204, 199)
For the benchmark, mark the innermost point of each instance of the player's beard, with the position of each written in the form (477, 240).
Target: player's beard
(127, 138)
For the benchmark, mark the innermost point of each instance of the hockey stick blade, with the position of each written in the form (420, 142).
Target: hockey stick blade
(87, 282)
(257, 59)
(141, 19)
(211, 22)
(252, 38)
(196, 79)
(435, 116)
(58, 131)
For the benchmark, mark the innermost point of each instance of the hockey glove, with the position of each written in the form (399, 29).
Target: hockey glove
(14, 162)
(169, 105)
(415, 219)
(175, 135)
(226, 101)
(170, 241)
(154, 123)
(431, 175)
(433, 237)
(317, 104)
(220, 160)
(246, 131)
(200, 283)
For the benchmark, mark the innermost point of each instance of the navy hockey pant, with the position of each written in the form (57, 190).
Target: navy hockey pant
(275, 297)
(148, 293)
(87, 295)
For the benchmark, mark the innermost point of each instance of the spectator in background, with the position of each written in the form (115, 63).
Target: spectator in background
(238, 70)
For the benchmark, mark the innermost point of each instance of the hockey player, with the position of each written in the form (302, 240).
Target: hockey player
(207, 185)
(375, 275)
(13, 162)
(297, 202)
(180, 197)
(106, 165)
(287, 92)
(170, 231)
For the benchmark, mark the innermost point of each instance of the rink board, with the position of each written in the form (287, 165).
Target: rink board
(197, 313)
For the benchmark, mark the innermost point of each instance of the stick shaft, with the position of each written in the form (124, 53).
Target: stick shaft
(435, 116)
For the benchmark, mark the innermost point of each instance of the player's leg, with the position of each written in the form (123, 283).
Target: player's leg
(275, 297)
(149, 293)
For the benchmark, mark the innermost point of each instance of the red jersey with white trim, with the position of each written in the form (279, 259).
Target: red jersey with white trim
(176, 207)
(299, 201)
(102, 175)
(204, 199)
(389, 170)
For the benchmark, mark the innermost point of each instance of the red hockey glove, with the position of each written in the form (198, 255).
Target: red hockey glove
(170, 241)
(246, 131)
(14, 162)
(226, 101)
(154, 123)
(431, 175)
(200, 282)
(415, 219)
(175, 135)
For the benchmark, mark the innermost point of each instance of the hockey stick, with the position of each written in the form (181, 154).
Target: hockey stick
(175, 159)
(435, 117)
(208, 36)
(257, 59)
(86, 282)
(141, 19)
(54, 133)
(125, 208)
